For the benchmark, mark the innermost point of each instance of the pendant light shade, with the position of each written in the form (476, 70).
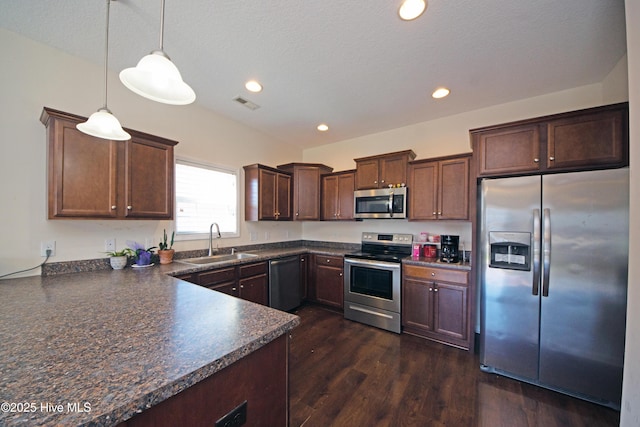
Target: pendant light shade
(157, 78)
(103, 124)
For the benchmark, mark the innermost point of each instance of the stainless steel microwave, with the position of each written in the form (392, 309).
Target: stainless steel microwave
(380, 203)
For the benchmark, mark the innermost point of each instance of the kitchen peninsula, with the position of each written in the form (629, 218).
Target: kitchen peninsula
(101, 348)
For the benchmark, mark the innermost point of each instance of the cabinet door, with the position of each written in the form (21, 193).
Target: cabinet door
(149, 179)
(450, 310)
(587, 140)
(255, 289)
(504, 151)
(283, 203)
(307, 193)
(329, 198)
(367, 174)
(267, 190)
(417, 303)
(216, 277)
(329, 285)
(393, 170)
(82, 173)
(423, 191)
(453, 190)
(346, 184)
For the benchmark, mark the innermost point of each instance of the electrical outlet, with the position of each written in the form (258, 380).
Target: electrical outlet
(48, 245)
(110, 245)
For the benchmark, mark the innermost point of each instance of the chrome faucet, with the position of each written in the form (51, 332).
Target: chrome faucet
(211, 237)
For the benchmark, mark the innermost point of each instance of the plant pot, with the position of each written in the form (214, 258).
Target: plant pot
(118, 262)
(166, 256)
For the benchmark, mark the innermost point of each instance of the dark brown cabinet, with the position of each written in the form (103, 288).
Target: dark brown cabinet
(337, 196)
(247, 281)
(327, 278)
(435, 304)
(306, 189)
(578, 140)
(267, 194)
(92, 178)
(383, 170)
(439, 188)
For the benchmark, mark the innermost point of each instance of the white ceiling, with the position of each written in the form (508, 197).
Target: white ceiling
(350, 63)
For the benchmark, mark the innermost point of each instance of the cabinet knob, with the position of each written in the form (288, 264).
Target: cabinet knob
(113, 208)
(552, 158)
(430, 289)
(241, 286)
(375, 182)
(439, 213)
(234, 289)
(129, 207)
(435, 289)
(536, 160)
(297, 213)
(434, 213)
(340, 274)
(382, 181)
(328, 260)
(433, 274)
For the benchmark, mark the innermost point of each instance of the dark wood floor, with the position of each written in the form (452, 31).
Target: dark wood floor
(343, 373)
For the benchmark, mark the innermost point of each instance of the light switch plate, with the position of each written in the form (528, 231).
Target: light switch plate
(110, 245)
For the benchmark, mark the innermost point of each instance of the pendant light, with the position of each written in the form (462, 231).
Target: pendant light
(157, 78)
(102, 123)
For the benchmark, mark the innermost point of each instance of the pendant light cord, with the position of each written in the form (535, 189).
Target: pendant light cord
(162, 26)
(106, 56)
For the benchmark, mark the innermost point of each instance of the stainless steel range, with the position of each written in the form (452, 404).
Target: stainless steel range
(372, 280)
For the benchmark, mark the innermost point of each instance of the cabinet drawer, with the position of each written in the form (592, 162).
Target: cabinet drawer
(438, 274)
(186, 277)
(252, 269)
(333, 261)
(213, 277)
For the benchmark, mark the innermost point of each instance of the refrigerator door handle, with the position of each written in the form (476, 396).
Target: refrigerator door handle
(536, 252)
(546, 251)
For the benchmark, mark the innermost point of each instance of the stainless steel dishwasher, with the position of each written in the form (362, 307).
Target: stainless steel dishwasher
(284, 283)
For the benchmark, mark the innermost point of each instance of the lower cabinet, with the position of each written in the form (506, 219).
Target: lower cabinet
(260, 379)
(248, 281)
(435, 304)
(327, 286)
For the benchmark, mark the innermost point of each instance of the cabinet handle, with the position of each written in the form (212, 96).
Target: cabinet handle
(536, 160)
(552, 158)
(129, 207)
(113, 208)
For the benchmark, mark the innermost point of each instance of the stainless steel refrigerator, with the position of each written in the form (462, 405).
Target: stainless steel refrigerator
(553, 272)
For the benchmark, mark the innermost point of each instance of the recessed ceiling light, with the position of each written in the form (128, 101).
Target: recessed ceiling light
(441, 92)
(323, 127)
(411, 9)
(253, 86)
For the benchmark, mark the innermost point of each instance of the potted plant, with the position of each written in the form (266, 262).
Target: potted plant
(118, 259)
(142, 256)
(165, 250)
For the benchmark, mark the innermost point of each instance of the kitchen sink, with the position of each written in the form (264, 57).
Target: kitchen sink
(218, 258)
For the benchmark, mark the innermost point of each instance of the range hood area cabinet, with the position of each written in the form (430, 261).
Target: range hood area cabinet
(593, 138)
(383, 170)
(93, 178)
(306, 189)
(439, 188)
(267, 194)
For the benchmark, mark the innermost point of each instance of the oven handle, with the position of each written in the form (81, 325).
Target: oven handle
(372, 263)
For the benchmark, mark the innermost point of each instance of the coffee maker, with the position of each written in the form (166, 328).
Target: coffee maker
(449, 251)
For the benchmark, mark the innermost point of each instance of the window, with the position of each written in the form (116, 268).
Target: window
(205, 194)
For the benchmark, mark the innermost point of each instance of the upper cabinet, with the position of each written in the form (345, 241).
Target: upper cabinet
(439, 188)
(586, 139)
(93, 178)
(383, 170)
(306, 189)
(267, 194)
(337, 196)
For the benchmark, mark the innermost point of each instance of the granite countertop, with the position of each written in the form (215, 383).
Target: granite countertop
(96, 348)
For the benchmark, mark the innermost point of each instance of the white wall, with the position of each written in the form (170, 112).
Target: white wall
(35, 75)
(630, 413)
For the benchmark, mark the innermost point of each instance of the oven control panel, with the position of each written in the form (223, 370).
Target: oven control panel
(386, 239)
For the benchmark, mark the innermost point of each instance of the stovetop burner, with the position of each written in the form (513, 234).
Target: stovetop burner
(384, 247)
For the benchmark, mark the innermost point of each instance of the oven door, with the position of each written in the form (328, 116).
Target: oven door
(372, 283)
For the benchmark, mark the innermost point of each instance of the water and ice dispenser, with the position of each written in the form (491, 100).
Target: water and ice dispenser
(510, 250)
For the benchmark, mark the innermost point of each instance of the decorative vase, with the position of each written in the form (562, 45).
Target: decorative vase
(118, 262)
(166, 256)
